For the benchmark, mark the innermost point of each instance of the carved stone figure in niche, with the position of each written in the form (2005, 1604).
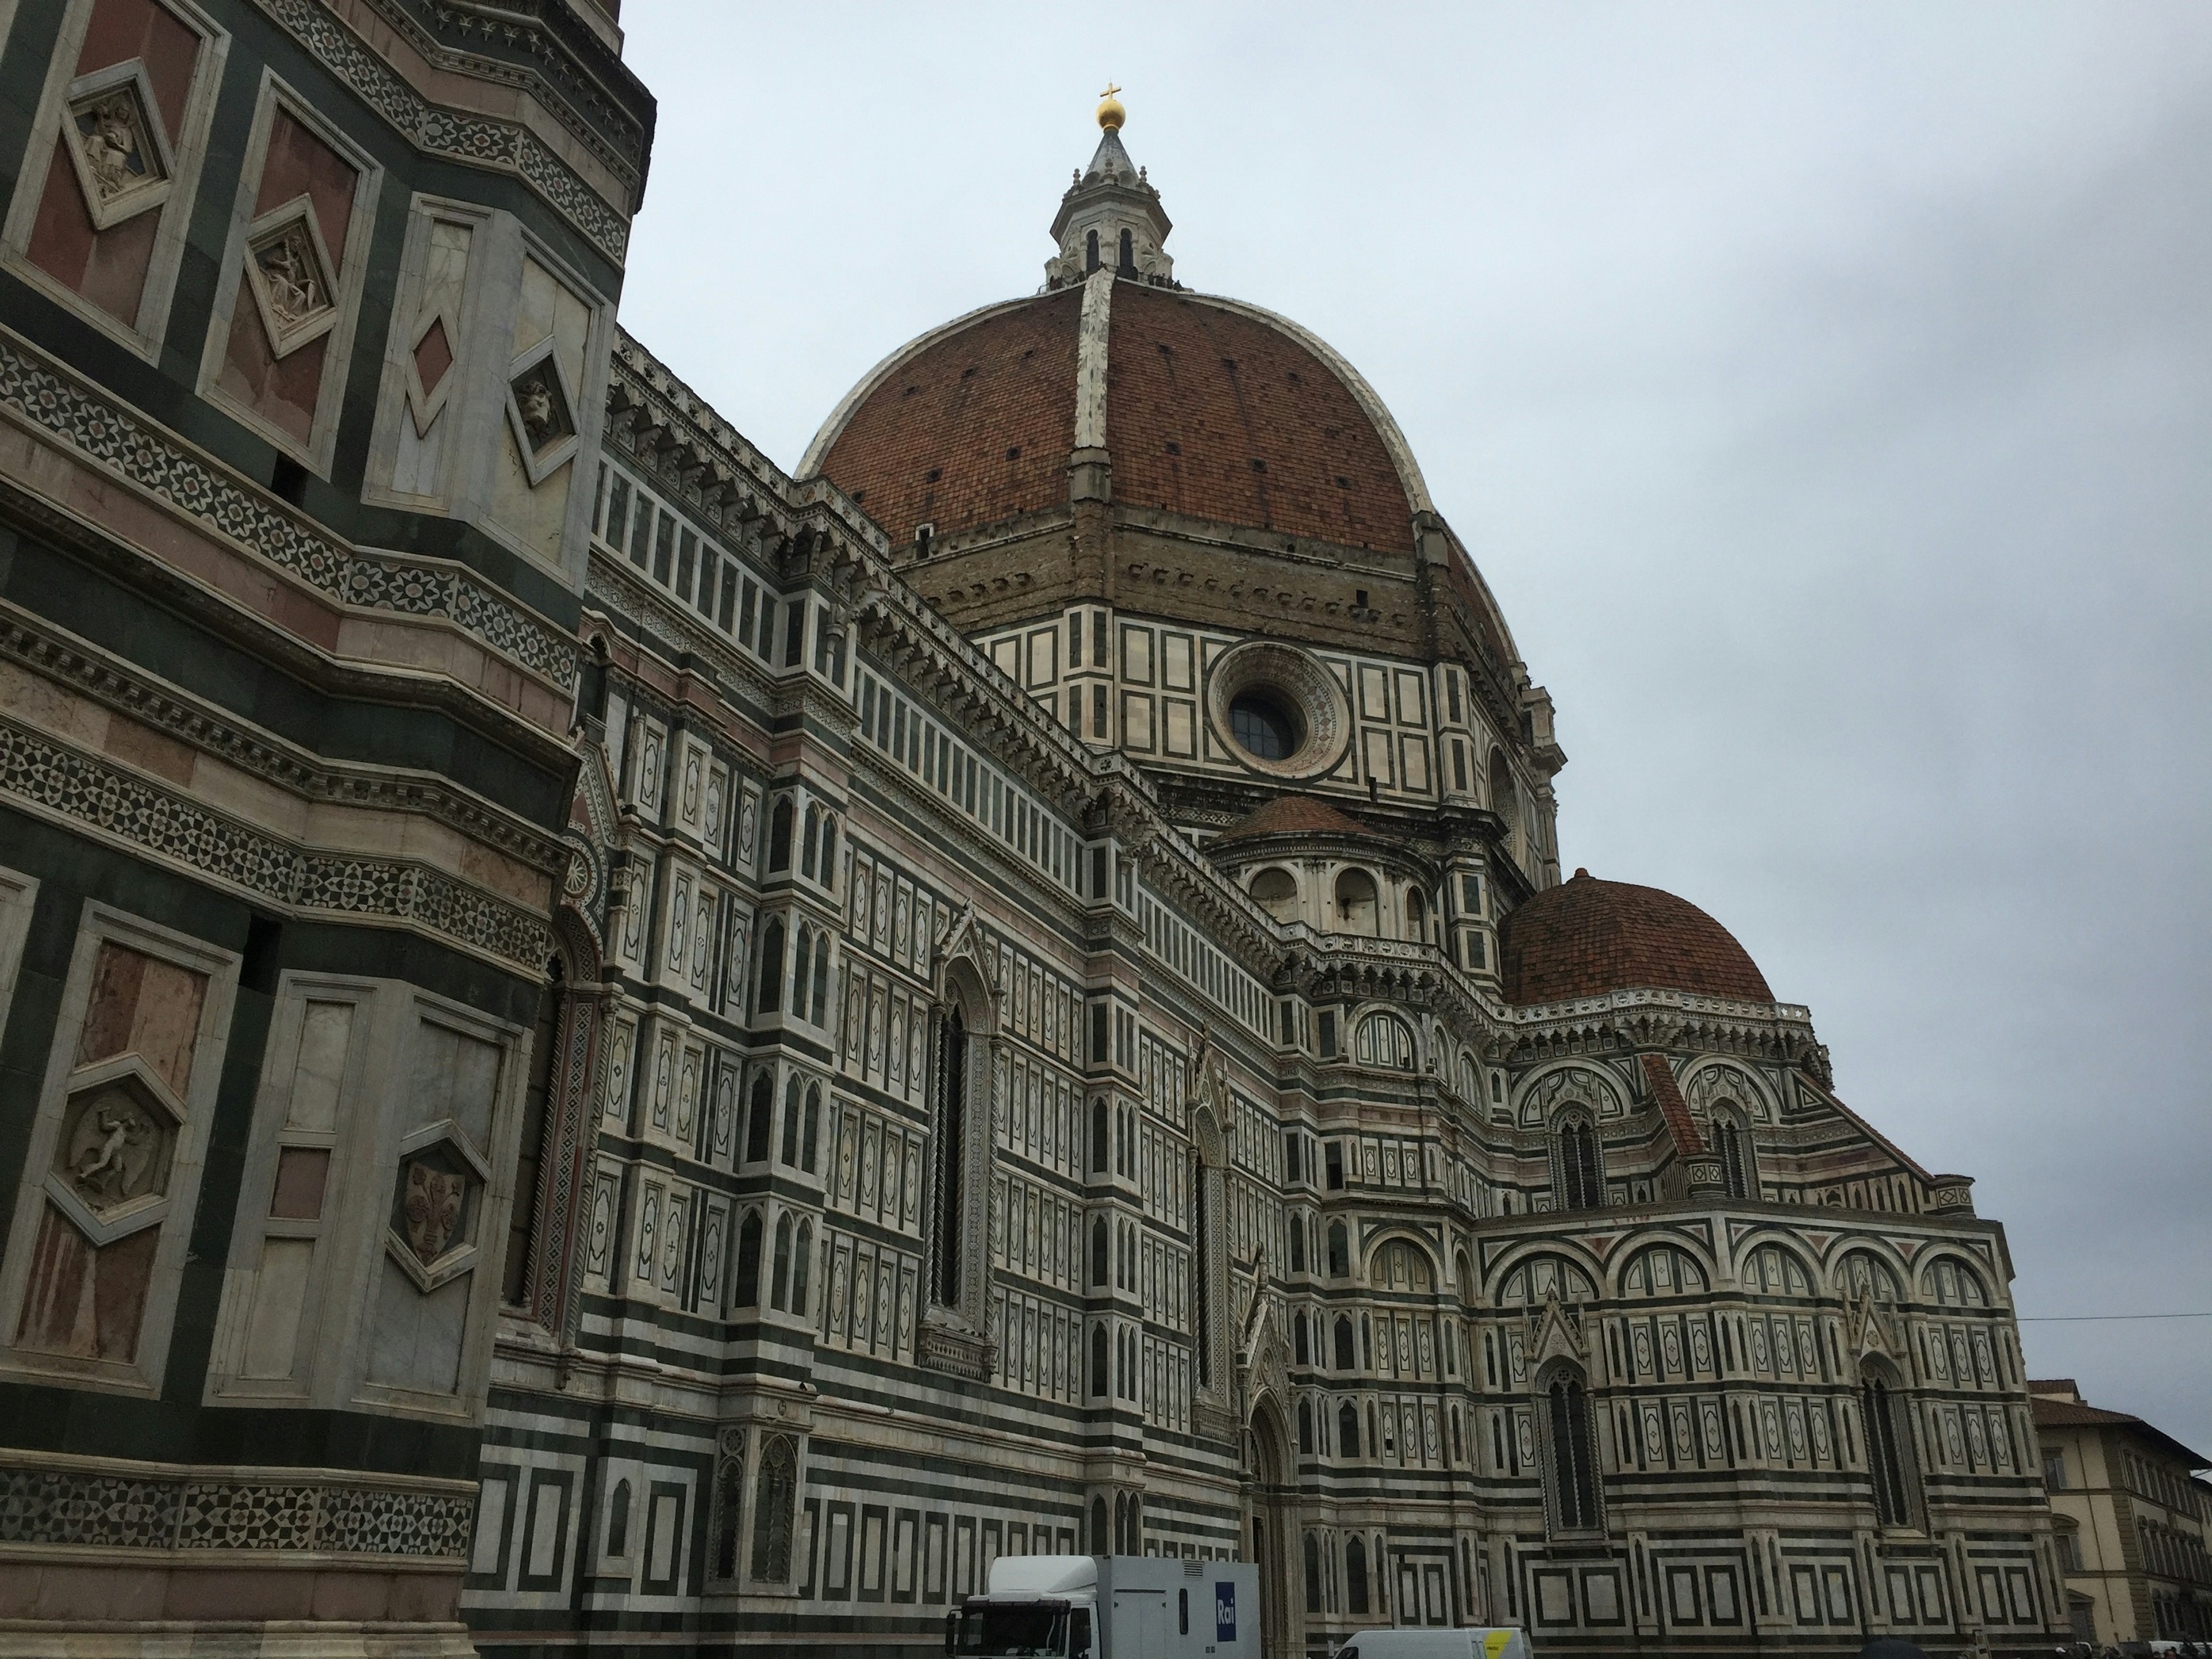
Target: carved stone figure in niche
(544, 411)
(289, 267)
(115, 148)
(118, 1150)
(433, 1206)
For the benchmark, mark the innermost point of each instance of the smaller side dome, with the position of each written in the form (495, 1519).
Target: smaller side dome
(1291, 814)
(1587, 937)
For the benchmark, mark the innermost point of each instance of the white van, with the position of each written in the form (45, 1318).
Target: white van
(1493, 1644)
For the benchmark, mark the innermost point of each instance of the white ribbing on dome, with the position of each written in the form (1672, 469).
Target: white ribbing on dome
(1090, 359)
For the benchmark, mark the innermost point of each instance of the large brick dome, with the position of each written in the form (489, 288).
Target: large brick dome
(1213, 410)
(1586, 937)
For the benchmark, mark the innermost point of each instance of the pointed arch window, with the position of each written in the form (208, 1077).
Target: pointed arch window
(1355, 1576)
(1305, 1427)
(1098, 1136)
(1345, 1360)
(1089, 250)
(1731, 1142)
(951, 1158)
(812, 1140)
(1098, 1362)
(1887, 1438)
(1347, 1430)
(770, 978)
(1582, 1170)
(802, 958)
(748, 1262)
(1313, 1572)
(802, 1256)
(773, 1499)
(789, 1155)
(779, 836)
(760, 1119)
(779, 1279)
(1571, 1472)
(618, 1522)
(806, 845)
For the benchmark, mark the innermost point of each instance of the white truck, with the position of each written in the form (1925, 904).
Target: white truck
(1109, 1607)
(1495, 1642)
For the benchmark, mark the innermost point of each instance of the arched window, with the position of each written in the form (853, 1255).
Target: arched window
(1098, 1539)
(1355, 902)
(1346, 1360)
(1503, 799)
(1469, 1079)
(779, 836)
(789, 1156)
(619, 1521)
(1297, 1244)
(770, 978)
(1128, 255)
(779, 1278)
(1305, 1427)
(1571, 1474)
(1098, 1272)
(1582, 1175)
(1417, 914)
(806, 845)
(802, 1256)
(729, 1510)
(1956, 1285)
(1276, 892)
(1339, 1251)
(1347, 1429)
(773, 1496)
(951, 1156)
(760, 1119)
(1098, 1362)
(828, 865)
(813, 1127)
(1457, 1456)
(1733, 1144)
(748, 1262)
(1098, 1136)
(1091, 262)
(1384, 1042)
(1399, 1266)
(820, 1016)
(1313, 1573)
(1304, 1342)
(1355, 1576)
(802, 958)
(1887, 1436)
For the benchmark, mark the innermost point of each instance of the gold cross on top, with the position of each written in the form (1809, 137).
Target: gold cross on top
(1111, 90)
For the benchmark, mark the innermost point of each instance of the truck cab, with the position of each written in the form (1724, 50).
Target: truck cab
(1109, 1607)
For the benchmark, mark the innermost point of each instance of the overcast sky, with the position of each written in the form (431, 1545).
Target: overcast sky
(1825, 392)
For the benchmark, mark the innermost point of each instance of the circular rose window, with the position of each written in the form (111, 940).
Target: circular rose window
(1278, 710)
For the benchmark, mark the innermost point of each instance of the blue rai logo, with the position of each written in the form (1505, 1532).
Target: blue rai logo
(1224, 1611)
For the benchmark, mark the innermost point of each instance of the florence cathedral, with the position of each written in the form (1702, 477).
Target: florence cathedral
(606, 1048)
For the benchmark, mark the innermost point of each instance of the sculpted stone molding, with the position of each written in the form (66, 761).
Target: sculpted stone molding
(102, 800)
(39, 393)
(118, 684)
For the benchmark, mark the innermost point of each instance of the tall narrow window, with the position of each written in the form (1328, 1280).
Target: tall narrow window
(1128, 255)
(802, 958)
(801, 1257)
(1099, 1252)
(1313, 1573)
(1573, 1472)
(1885, 1461)
(1582, 1181)
(760, 1121)
(1735, 1162)
(770, 978)
(779, 836)
(806, 843)
(951, 1154)
(1347, 1429)
(1098, 1153)
(1098, 1362)
(1355, 1576)
(748, 1262)
(779, 1275)
(1202, 1272)
(820, 1015)
(773, 1497)
(789, 1156)
(1089, 250)
(1345, 1358)
(813, 1127)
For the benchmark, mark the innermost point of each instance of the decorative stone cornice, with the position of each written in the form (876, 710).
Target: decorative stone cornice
(121, 686)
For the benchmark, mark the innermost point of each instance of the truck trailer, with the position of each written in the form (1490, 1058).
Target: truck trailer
(1109, 1607)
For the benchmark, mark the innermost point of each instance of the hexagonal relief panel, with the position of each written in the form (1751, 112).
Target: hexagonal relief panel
(113, 1158)
(437, 1195)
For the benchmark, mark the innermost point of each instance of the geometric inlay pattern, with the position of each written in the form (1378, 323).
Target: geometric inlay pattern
(152, 1512)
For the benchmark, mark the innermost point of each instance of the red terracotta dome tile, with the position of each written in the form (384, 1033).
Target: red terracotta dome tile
(1586, 937)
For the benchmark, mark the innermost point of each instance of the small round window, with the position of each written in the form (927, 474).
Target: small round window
(1265, 726)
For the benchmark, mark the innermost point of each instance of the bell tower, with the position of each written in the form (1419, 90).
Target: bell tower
(1111, 217)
